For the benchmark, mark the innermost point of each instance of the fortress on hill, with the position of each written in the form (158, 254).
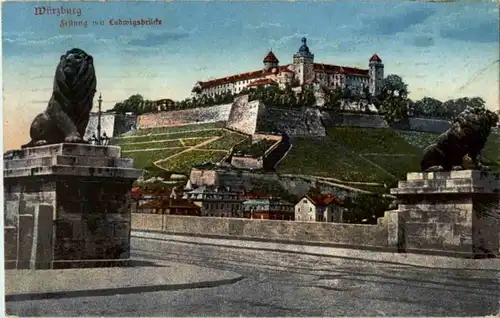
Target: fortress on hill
(302, 71)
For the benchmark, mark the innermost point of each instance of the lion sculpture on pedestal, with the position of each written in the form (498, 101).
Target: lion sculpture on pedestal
(68, 110)
(466, 137)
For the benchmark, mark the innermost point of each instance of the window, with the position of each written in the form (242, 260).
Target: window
(310, 209)
(304, 201)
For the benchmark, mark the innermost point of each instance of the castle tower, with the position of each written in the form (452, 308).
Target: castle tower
(270, 61)
(376, 73)
(303, 63)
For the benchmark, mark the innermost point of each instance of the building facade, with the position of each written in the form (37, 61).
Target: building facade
(302, 70)
(216, 201)
(319, 208)
(268, 209)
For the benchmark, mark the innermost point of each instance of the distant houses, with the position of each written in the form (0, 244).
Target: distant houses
(319, 208)
(219, 201)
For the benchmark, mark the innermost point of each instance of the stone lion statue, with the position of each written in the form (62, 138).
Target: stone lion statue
(68, 110)
(467, 136)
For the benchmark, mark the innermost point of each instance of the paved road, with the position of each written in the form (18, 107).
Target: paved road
(292, 284)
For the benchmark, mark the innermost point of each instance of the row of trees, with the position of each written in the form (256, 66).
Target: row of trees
(274, 96)
(394, 103)
(137, 105)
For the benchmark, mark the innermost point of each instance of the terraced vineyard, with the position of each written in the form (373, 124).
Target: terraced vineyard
(356, 154)
(177, 149)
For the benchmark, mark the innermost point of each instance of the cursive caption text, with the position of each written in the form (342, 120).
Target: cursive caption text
(77, 12)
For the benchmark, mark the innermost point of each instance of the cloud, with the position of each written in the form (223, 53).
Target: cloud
(423, 41)
(263, 25)
(480, 32)
(399, 19)
(158, 39)
(284, 41)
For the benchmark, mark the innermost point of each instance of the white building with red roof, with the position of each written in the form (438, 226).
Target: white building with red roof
(303, 70)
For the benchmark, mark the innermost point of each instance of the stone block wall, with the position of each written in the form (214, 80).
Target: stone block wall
(293, 231)
(186, 116)
(244, 115)
(330, 119)
(249, 163)
(92, 219)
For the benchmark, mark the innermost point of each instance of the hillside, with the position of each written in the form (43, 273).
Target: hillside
(346, 154)
(176, 149)
(356, 154)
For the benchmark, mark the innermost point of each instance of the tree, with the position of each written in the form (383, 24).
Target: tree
(394, 102)
(333, 99)
(306, 97)
(394, 86)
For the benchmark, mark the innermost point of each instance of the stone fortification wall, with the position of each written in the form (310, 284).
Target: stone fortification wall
(107, 125)
(244, 115)
(357, 235)
(356, 120)
(185, 116)
(124, 123)
(423, 124)
(293, 122)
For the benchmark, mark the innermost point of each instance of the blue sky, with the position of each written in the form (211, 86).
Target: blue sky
(442, 50)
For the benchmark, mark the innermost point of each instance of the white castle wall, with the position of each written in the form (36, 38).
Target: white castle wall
(107, 125)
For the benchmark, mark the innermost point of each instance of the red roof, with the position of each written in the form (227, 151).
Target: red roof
(261, 82)
(329, 68)
(271, 58)
(375, 58)
(324, 199)
(242, 77)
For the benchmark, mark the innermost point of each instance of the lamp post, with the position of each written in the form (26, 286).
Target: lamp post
(99, 120)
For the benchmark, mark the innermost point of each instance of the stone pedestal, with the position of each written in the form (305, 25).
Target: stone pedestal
(69, 204)
(449, 213)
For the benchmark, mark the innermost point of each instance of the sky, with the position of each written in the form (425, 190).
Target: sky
(442, 50)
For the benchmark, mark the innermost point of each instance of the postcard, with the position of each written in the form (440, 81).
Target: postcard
(251, 158)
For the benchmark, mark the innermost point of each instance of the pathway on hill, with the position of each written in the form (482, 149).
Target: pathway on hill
(163, 140)
(195, 147)
(390, 154)
(167, 133)
(360, 156)
(376, 165)
(151, 149)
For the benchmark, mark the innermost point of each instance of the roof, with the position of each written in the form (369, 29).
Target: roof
(323, 199)
(375, 58)
(242, 77)
(329, 68)
(266, 201)
(169, 203)
(261, 82)
(255, 195)
(271, 58)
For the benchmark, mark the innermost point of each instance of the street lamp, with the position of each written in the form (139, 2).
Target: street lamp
(99, 120)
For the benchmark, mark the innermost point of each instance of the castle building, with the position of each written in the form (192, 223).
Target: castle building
(303, 70)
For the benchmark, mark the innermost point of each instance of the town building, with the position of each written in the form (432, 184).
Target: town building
(216, 201)
(302, 70)
(268, 209)
(319, 208)
(170, 206)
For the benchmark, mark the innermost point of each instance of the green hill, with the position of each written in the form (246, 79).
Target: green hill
(161, 151)
(347, 154)
(355, 154)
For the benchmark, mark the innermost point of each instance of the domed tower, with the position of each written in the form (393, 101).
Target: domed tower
(376, 73)
(303, 63)
(270, 61)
